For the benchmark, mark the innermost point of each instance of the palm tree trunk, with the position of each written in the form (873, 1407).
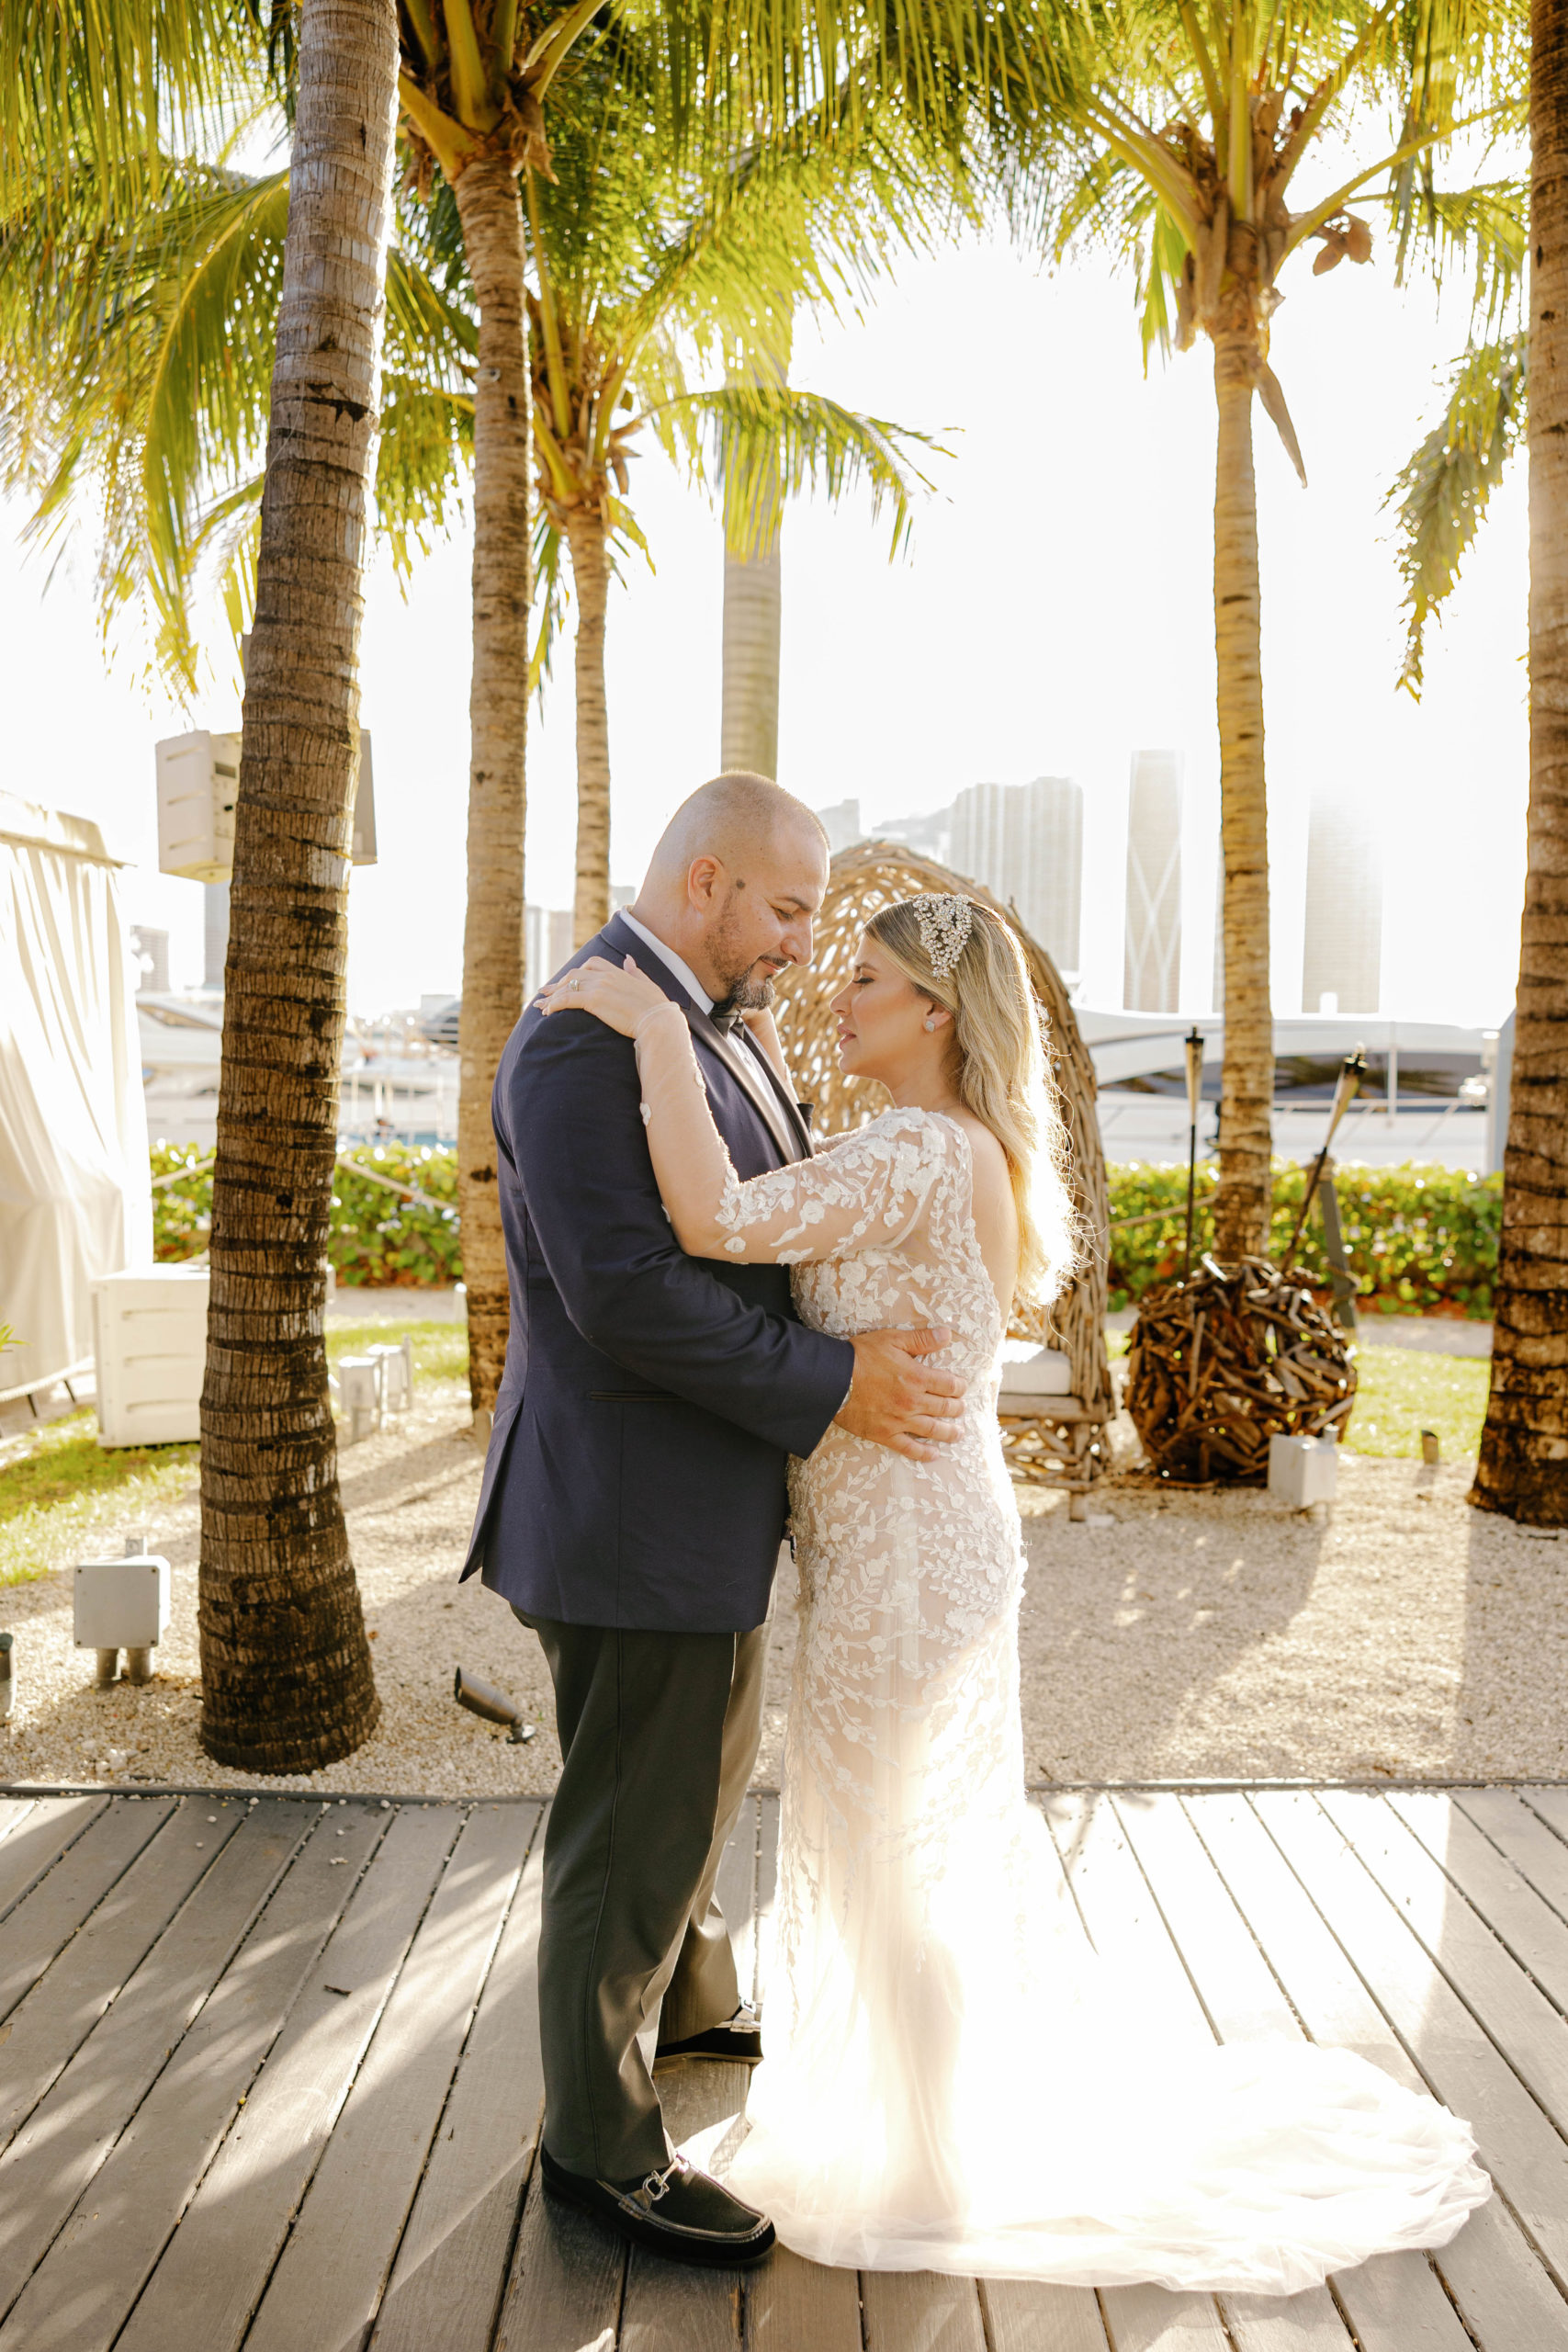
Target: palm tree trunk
(754, 607)
(1524, 1445)
(287, 1684)
(590, 580)
(753, 613)
(1244, 1191)
(493, 942)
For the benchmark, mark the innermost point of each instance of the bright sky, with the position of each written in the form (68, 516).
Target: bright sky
(1055, 616)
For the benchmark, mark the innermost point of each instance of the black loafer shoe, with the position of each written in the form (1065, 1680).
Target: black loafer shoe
(739, 2040)
(679, 2211)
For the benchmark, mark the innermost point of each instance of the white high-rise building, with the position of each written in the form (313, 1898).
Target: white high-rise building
(1342, 951)
(840, 823)
(1152, 957)
(1025, 842)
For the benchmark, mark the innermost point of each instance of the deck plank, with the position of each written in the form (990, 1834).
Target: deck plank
(563, 2294)
(68, 1888)
(451, 2268)
(1461, 2066)
(1518, 2019)
(1536, 1852)
(922, 2311)
(1502, 2288)
(203, 2293)
(1122, 1918)
(1550, 1804)
(79, 2297)
(151, 1878)
(52, 1826)
(1243, 1999)
(793, 2305)
(1519, 1918)
(14, 1811)
(1152, 2319)
(1023, 2315)
(190, 1907)
(330, 2278)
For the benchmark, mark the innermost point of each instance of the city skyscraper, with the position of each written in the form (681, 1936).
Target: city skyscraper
(840, 823)
(1025, 842)
(1342, 949)
(1152, 955)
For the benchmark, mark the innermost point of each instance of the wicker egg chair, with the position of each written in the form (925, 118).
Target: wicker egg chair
(1049, 1439)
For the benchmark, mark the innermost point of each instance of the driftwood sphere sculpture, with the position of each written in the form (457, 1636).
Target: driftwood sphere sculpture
(1223, 1362)
(872, 874)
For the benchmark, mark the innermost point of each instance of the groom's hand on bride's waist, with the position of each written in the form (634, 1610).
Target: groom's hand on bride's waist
(896, 1399)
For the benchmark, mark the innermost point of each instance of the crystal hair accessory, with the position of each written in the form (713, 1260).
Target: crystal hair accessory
(946, 921)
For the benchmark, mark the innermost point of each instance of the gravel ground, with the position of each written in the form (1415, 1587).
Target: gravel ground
(1394, 1632)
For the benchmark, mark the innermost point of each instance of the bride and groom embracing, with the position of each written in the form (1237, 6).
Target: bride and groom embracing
(715, 1325)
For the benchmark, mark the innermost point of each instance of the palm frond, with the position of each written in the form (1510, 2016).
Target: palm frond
(1481, 232)
(145, 378)
(1441, 494)
(755, 445)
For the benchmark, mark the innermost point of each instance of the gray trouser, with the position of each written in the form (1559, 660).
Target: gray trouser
(658, 1735)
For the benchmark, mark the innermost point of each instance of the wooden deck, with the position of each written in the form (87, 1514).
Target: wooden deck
(269, 2075)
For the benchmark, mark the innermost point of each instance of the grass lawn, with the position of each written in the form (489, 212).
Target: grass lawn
(1405, 1390)
(68, 1494)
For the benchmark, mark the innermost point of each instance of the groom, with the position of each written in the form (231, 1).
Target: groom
(633, 1497)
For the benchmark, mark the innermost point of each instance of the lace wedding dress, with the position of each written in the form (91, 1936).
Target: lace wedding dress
(948, 2085)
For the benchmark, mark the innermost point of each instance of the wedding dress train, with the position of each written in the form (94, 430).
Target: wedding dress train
(949, 2083)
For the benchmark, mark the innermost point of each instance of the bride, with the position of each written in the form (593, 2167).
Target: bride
(949, 2084)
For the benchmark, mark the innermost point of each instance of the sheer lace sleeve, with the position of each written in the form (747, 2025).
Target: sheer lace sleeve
(869, 1189)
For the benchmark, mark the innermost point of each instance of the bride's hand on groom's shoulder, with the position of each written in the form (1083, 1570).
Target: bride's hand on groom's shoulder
(619, 995)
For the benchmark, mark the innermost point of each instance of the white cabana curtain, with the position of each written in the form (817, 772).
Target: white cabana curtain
(74, 1197)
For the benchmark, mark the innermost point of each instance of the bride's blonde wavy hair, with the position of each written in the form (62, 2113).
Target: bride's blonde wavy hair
(1001, 1076)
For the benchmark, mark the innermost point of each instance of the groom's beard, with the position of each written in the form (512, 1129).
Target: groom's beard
(746, 982)
(751, 992)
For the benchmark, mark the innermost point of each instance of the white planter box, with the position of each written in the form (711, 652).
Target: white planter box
(150, 1339)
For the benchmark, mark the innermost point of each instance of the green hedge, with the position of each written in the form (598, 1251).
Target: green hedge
(1419, 1238)
(376, 1237)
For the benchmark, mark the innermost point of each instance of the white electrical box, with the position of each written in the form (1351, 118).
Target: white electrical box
(122, 1604)
(199, 783)
(150, 1344)
(1302, 1470)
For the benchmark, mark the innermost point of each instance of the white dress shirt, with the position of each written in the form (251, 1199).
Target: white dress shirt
(672, 962)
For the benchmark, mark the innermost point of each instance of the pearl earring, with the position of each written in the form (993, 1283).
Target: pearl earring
(931, 1023)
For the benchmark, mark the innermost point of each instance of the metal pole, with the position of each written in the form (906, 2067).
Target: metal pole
(1351, 1071)
(1194, 1048)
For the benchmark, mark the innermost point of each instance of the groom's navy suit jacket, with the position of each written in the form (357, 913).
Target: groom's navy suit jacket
(649, 1401)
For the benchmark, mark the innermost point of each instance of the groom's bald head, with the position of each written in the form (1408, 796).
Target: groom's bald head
(736, 818)
(734, 884)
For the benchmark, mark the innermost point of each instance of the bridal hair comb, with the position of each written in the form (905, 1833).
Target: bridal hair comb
(946, 921)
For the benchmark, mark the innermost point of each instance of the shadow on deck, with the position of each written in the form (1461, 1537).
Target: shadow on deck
(269, 2075)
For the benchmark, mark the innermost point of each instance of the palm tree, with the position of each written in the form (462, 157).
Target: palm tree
(287, 1684)
(1523, 1468)
(1192, 122)
(287, 1680)
(628, 288)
